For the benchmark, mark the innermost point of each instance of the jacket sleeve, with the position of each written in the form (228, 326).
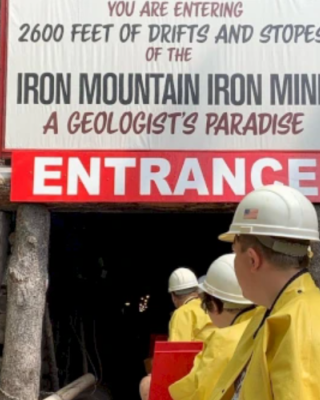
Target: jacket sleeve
(181, 326)
(185, 387)
(207, 369)
(213, 363)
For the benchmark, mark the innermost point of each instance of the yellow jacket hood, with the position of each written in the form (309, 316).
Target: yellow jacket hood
(190, 323)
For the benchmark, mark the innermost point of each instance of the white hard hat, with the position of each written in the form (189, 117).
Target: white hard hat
(221, 281)
(181, 279)
(200, 281)
(274, 210)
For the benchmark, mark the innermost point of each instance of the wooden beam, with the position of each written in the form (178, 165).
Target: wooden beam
(74, 389)
(52, 362)
(4, 243)
(5, 185)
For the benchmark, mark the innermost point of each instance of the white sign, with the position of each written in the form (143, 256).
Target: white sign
(163, 75)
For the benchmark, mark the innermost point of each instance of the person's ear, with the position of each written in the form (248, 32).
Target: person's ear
(255, 259)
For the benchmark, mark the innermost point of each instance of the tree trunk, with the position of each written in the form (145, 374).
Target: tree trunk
(27, 274)
(4, 243)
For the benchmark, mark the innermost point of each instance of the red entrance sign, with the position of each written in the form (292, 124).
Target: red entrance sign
(152, 176)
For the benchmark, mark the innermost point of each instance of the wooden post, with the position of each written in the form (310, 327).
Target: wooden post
(27, 274)
(83, 348)
(74, 389)
(315, 263)
(4, 242)
(51, 351)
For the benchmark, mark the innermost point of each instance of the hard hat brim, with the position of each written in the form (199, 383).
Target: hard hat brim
(183, 287)
(225, 298)
(227, 237)
(264, 231)
(200, 286)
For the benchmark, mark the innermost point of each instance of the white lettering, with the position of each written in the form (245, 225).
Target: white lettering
(77, 172)
(120, 166)
(259, 166)
(295, 175)
(41, 174)
(158, 177)
(222, 172)
(191, 166)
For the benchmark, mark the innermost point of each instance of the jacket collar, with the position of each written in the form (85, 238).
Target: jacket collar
(298, 284)
(245, 310)
(190, 299)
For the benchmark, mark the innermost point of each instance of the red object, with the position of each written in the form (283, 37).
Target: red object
(156, 338)
(172, 361)
(153, 176)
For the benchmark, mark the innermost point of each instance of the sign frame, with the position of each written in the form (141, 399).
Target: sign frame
(6, 120)
(7, 153)
(4, 153)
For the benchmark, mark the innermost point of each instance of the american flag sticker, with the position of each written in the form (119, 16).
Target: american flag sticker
(250, 213)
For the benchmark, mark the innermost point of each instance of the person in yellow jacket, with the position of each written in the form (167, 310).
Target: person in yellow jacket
(189, 322)
(278, 358)
(229, 310)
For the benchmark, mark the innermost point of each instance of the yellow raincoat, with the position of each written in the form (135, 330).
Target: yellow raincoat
(210, 363)
(190, 323)
(284, 358)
